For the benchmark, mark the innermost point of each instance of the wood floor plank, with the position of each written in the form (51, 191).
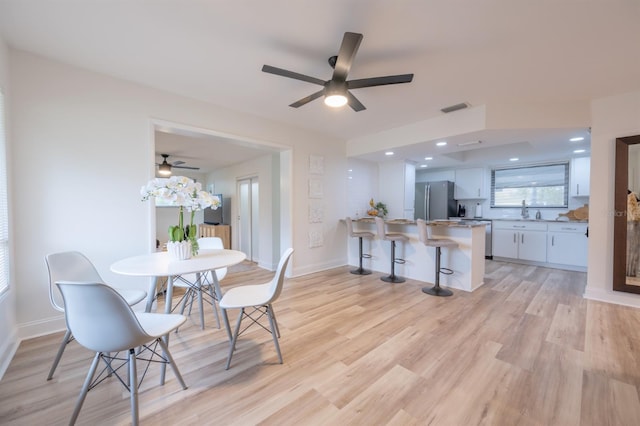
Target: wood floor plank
(523, 349)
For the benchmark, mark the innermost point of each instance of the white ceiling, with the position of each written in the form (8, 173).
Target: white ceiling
(477, 52)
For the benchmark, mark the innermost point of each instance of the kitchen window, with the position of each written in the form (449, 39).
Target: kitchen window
(545, 185)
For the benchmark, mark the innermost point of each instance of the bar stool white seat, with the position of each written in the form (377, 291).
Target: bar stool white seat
(393, 237)
(359, 235)
(424, 234)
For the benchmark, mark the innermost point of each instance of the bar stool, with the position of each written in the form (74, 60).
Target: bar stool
(360, 236)
(393, 237)
(424, 232)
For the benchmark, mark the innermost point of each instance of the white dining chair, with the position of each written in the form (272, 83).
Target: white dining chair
(258, 297)
(75, 266)
(101, 320)
(197, 285)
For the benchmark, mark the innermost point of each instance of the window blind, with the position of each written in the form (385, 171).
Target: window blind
(544, 185)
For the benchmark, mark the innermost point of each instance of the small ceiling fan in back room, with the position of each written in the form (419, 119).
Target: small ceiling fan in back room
(164, 168)
(336, 91)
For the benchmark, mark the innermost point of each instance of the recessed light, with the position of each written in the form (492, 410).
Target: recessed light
(578, 151)
(423, 165)
(428, 158)
(350, 170)
(388, 153)
(578, 139)
(442, 143)
(514, 159)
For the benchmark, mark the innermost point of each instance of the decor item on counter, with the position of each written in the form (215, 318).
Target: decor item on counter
(462, 210)
(377, 209)
(538, 215)
(478, 213)
(188, 195)
(581, 213)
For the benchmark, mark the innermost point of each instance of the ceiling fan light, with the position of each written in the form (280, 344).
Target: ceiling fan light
(335, 100)
(164, 169)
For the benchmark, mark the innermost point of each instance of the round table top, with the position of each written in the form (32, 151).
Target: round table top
(160, 264)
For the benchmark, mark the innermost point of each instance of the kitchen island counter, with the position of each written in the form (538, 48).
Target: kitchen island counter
(467, 260)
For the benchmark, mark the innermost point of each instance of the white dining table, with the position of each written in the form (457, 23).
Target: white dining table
(161, 264)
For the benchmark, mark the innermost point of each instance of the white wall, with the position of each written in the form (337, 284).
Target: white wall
(362, 185)
(83, 147)
(264, 168)
(8, 326)
(613, 117)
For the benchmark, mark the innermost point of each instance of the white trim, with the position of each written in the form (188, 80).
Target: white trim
(610, 296)
(7, 352)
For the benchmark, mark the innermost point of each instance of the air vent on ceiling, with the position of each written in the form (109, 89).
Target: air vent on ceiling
(455, 107)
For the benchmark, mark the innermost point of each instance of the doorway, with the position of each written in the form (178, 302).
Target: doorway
(247, 226)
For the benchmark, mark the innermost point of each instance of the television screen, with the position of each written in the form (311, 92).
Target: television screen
(214, 217)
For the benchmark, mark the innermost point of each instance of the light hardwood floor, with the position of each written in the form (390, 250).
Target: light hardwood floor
(524, 349)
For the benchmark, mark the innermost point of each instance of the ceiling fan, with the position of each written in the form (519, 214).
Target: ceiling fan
(336, 91)
(165, 167)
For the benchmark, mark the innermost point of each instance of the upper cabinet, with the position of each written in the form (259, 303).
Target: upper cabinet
(470, 184)
(580, 171)
(397, 182)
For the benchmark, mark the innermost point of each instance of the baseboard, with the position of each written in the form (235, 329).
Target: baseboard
(43, 327)
(610, 296)
(318, 267)
(7, 351)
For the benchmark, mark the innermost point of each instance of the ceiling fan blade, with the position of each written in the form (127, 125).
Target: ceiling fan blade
(379, 81)
(185, 167)
(354, 103)
(348, 50)
(307, 99)
(285, 73)
(177, 163)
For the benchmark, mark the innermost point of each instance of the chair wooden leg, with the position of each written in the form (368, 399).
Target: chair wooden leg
(273, 314)
(133, 387)
(85, 388)
(172, 363)
(235, 338)
(274, 332)
(63, 345)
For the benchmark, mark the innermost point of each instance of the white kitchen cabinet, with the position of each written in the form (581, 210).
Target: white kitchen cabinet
(567, 244)
(520, 240)
(409, 190)
(397, 186)
(470, 184)
(580, 172)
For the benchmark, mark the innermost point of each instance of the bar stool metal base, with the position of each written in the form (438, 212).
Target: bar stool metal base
(361, 271)
(393, 279)
(437, 291)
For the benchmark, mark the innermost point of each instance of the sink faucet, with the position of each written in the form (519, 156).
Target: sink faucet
(525, 210)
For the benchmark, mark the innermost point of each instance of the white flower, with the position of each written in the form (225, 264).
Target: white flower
(182, 192)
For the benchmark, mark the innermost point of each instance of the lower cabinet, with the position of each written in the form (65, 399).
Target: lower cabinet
(520, 240)
(555, 243)
(221, 231)
(567, 244)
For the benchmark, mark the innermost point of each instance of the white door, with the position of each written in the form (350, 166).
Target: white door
(247, 226)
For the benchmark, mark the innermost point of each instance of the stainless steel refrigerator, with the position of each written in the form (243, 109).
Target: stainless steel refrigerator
(434, 200)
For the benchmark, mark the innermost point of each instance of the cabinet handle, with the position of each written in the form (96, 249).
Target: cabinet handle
(520, 226)
(521, 238)
(478, 192)
(577, 189)
(553, 240)
(514, 238)
(566, 228)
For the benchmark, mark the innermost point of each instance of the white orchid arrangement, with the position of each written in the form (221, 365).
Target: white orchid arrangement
(188, 195)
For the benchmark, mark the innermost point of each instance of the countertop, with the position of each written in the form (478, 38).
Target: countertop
(518, 219)
(451, 223)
